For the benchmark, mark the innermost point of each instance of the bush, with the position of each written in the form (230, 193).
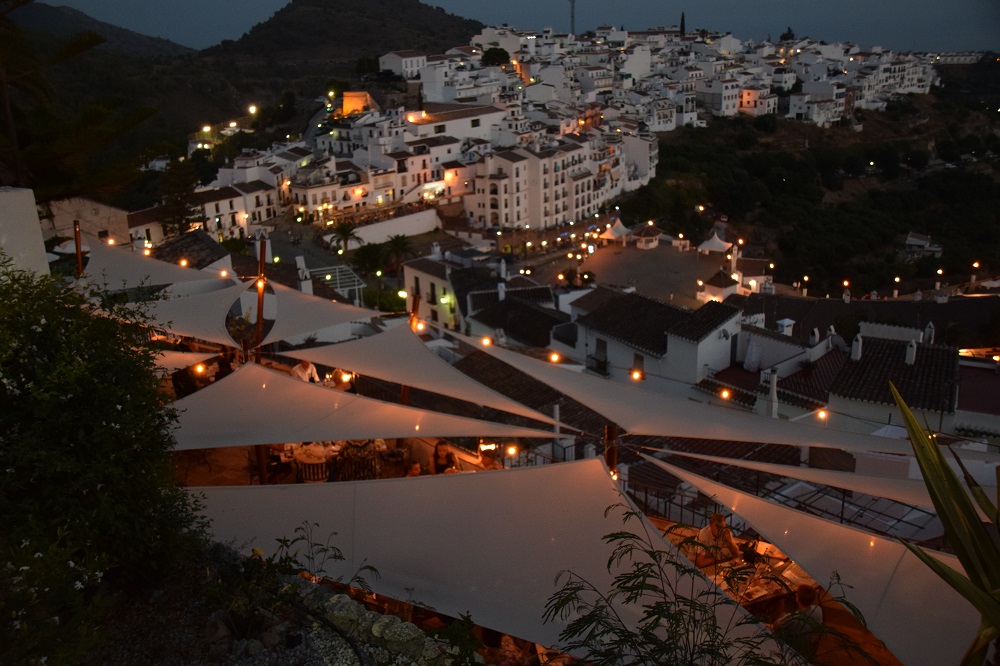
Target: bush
(87, 495)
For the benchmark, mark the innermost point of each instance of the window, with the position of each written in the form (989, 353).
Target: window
(439, 129)
(475, 122)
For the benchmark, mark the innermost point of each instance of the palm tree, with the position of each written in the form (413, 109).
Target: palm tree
(369, 260)
(399, 248)
(344, 233)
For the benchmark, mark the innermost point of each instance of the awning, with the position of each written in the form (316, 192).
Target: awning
(919, 616)
(399, 356)
(617, 230)
(201, 316)
(488, 544)
(299, 314)
(254, 405)
(642, 412)
(119, 267)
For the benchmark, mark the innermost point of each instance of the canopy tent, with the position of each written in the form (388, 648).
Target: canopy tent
(171, 361)
(618, 231)
(300, 314)
(919, 616)
(398, 355)
(642, 412)
(201, 316)
(121, 268)
(714, 244)
(255, 405)
(489, 544)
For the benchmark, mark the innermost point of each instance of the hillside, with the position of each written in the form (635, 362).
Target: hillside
(64, 22)
(331, 35)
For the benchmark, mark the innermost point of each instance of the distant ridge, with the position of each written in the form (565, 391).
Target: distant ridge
(64, 22)
(337, 33)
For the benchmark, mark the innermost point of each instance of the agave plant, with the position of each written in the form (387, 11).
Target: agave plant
(966, 531)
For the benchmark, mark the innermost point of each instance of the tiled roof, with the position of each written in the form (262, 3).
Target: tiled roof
(722, 280)
(523, 321)
(644, 323)
(814, 381)
(511, 156)
(220, 194)
(930, 383)
(141, 218)
(197, 247)
(255, 186)
(966, 321)
(595, 298)
(429, 266)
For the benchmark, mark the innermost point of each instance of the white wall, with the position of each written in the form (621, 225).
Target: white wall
(20, 230)
(407, 225)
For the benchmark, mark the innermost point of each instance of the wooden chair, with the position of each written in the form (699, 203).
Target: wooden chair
(312, 473)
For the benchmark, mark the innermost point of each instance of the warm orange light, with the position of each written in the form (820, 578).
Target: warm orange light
(554, 357)
(111, 241)
(420, 325)
(725, 394)
(847, 283)
(223, 273)
(975, 264)
(184, 262)
(147, 252)
(487, 342)
(260, 283)
(358, 191)
(996, 357)
(822, 415)
(637, 374)
(200, 368)
(512, 450)
(345, 377)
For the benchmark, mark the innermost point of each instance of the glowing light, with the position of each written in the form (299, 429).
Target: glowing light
(725, 394)
(420, 325)
(896, 279)
(847, 283)
(554, 357)
(260, 283)
(561, 277)
(512, 450)
(111, 241)
(184, 262)
(345, 377)
(206, 128)
(637, 375)
(232, 123)
(487, 342)
(147, 252)
(402, 293)
(940, 271)
(821, 415)
(252, 109)
(223, 273)
(200, 368)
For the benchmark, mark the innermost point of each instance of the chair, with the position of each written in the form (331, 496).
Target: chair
(312, 473)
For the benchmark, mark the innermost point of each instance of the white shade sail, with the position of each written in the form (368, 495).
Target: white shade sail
(201, 316)
(488, 544)
(300, 314)
(642, 412)
(617, 230)
(398, 355)
(254, 405)
(118, 267)
(171, 361)
(921, 618)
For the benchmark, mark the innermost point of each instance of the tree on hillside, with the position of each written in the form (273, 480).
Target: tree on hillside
(495, 56)
(88, 500)
(682, 24)
(788, 35)
(399, 249)
(177, 192)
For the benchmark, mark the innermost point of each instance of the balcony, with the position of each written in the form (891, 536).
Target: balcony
(598, 365)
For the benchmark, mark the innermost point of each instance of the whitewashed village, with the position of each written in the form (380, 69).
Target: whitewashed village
(724, 391)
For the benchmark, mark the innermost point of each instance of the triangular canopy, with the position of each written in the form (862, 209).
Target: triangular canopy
(201, 316)
(919, 616)
(300, 314)
(399, 356)
(642, 412)
(488, 544)
(171, 361)
(119, 267)
(255, 405)
(714, 244)
(617, 230)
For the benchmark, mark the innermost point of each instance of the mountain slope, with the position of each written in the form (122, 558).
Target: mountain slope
(64, 22)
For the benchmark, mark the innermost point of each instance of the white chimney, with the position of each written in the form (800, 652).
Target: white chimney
(785, 326)
(856, 348)
(435, 250)
(501, 290)
(503, 269)
(911, 352)
(929, 333)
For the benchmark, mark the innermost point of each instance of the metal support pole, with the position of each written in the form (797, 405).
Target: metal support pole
(79, 248)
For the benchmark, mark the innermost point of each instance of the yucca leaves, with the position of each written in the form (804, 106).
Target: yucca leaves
(965, 530)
